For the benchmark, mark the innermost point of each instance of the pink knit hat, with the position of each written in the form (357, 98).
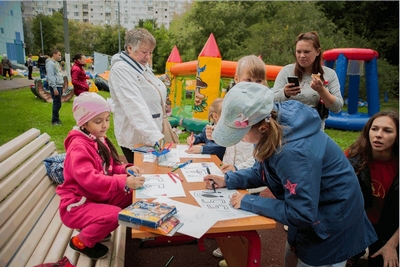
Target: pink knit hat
(88, 105)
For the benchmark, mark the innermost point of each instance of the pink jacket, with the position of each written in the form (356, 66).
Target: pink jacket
(78, 76)
(83, 171)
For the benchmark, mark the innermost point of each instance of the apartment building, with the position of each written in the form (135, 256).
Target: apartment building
(103, 12)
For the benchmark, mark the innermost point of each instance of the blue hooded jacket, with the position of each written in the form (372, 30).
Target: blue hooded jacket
(317, 192)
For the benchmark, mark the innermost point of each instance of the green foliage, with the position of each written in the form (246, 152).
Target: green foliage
(376, 21)
(24, 111)
(108, 40)
(388, 78)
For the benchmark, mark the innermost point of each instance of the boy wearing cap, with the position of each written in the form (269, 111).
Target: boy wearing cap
(96, 186)
(316, 190)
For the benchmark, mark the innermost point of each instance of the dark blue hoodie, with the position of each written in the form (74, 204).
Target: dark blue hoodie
(317, 192)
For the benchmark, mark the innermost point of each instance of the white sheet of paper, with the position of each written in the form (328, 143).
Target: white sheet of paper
(148, 157)
(195, 172)
(196, 220)
(219, 202)
(157, 185)
(182, 154)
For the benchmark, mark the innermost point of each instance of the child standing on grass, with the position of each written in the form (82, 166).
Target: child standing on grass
(97, 186)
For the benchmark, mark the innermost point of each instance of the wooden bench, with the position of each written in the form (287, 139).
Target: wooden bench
(31, 231)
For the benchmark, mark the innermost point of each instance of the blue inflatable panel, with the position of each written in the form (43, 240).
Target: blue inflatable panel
(344, 121)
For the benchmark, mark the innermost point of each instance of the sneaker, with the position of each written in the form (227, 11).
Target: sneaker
(352, 262)
(108, 237)
(217, 253)
(56, 123)
(223, 263)
(97, 252)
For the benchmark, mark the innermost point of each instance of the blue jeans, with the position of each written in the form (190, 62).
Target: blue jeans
(56, 104)
(42, 70)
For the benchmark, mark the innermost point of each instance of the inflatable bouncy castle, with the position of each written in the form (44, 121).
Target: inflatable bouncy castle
(350, 62)
(194, 85)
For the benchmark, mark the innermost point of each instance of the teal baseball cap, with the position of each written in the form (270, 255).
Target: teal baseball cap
(246, 104)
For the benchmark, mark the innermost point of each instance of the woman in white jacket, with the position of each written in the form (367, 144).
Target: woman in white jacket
(138, 95)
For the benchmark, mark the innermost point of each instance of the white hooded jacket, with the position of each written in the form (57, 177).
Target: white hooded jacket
(138, 110)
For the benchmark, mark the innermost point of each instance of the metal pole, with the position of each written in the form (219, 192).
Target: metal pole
(119, 34)
(41, 35)
(66, 41)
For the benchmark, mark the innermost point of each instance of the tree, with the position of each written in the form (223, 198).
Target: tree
(376, 21)
(108, 40)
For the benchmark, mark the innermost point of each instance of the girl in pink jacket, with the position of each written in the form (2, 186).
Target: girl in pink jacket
(96, 184)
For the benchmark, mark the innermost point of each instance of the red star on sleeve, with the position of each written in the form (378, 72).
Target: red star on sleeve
(291, 187)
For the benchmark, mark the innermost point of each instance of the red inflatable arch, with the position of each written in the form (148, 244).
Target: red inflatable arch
(351, 54)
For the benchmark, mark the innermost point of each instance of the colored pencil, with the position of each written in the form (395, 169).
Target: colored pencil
(172, 177)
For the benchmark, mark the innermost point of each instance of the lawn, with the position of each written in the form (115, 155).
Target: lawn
(22, 111)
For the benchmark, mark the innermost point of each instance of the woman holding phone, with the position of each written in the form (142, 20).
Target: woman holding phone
(315, 81)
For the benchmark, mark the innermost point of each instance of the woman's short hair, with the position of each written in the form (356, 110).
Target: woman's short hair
(138, 37)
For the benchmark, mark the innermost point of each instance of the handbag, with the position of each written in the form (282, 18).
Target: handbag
(322, 110)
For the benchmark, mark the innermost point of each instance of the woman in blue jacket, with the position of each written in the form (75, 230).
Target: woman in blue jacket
(316, 190)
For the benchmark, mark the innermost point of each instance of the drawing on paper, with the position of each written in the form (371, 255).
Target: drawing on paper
(220, 202)
(157, 185)
(195, 172)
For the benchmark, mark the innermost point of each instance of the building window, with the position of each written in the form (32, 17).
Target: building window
(2, 30)
(11, 13)
(76, 14)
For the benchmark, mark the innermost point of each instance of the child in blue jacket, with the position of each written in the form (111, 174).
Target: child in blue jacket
(199, 143)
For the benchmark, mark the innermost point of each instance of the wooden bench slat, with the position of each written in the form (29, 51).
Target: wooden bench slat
(83, 261)
(60, 242)
(30, 210)
(38, 242)
(12, 240)
(33, 188)
(15, 144)
(118, 251)
(47, 239)
(105, 262)
(24, 170)
(31, 230)
(23, 154)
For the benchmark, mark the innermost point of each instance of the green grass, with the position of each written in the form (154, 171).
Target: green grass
(22, 111)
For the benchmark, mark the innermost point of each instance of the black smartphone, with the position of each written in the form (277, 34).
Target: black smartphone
(293, 79)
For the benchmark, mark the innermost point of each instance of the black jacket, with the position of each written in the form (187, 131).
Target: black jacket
(41, 61)
(389, 220)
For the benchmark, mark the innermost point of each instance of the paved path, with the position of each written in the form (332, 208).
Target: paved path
(15, 83)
